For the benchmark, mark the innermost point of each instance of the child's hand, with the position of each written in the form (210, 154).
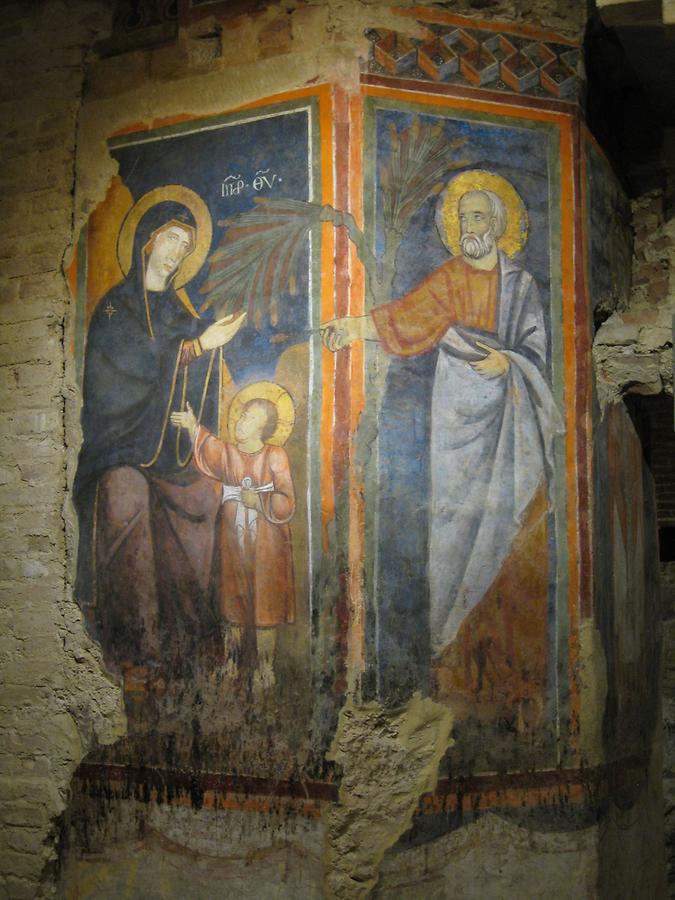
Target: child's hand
(187, 420)
(249, 498)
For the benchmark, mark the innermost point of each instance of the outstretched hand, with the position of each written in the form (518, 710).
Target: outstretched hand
(493, 365)
(335, 334)
(186, 419)
(339, 333)
(221, 332)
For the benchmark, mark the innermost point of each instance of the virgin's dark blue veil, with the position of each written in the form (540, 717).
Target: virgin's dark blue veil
(131, 382)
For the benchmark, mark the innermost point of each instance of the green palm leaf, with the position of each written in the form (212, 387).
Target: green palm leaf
(420, 158)
(256, 260)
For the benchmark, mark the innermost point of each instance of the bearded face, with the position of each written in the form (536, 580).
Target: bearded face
(476, 225)
(476, 246)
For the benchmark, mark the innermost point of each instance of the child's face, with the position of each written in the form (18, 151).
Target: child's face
(251, 423)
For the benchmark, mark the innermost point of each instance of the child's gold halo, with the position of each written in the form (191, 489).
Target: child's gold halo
(264, 390)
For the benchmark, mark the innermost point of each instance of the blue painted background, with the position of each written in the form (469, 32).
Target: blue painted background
(201, 160)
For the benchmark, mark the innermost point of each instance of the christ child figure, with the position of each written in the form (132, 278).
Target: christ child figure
(254, 575)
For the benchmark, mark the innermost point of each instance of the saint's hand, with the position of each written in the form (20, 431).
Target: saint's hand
(249, 498)
(185, 419)
(221, 332)
(493, 365)
(339, 333)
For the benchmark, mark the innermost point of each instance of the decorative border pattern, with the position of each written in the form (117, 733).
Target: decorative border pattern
(478, 58)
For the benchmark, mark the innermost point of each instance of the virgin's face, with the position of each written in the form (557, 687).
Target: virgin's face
(169, 249)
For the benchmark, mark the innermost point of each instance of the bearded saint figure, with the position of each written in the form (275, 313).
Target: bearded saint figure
(460, 523)
(146, 517)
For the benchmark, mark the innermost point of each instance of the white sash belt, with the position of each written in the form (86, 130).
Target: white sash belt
(246, 520)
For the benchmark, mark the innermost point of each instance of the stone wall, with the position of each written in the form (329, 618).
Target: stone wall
(668, 596)
(633, 353)
(633, 347)
(56, 701)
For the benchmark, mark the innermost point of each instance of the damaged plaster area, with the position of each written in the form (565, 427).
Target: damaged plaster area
(57, 702)
(388, 759)
(633, 349)
(493, 858)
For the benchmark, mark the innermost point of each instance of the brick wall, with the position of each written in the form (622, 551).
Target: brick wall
(46, 717)
(55, 701)
(633, 349)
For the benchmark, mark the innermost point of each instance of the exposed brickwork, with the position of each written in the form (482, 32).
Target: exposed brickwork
(662, 459)
(633, 350)
(55, 701)
(668, 596)
(48, 711)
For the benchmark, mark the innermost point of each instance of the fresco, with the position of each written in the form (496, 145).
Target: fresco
(197, 494)
(466, 423)
(627, 590)
(244, 555)
(462, 432)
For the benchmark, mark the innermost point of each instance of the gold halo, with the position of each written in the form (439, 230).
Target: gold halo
(265, 390)
(179, 194)
(447, 218)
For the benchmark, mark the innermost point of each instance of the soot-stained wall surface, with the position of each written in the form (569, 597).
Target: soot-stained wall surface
(329, 429)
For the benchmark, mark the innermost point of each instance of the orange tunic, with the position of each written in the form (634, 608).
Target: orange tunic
(454, 294)
(255, 579)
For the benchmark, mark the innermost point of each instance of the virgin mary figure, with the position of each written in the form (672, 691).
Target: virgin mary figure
(147, 518)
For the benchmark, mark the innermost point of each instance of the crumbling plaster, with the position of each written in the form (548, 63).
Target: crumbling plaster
(57, 701)
(388, 759)
(633, 348)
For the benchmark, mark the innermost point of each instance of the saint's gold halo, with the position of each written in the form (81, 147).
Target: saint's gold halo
(177, 193)
(447, 217)
(265, 390)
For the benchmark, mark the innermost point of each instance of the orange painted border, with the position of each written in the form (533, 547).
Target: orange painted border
(423, 15)
(572, 330)
(580, 786)
(468, 92)
(473, 103)
(586, 604)
(309, 809)
(327, 307)
(341, 387)
(571, 392)
(356, 556)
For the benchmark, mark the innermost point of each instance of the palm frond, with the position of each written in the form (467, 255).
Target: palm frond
(256, 260)
(420, 158)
